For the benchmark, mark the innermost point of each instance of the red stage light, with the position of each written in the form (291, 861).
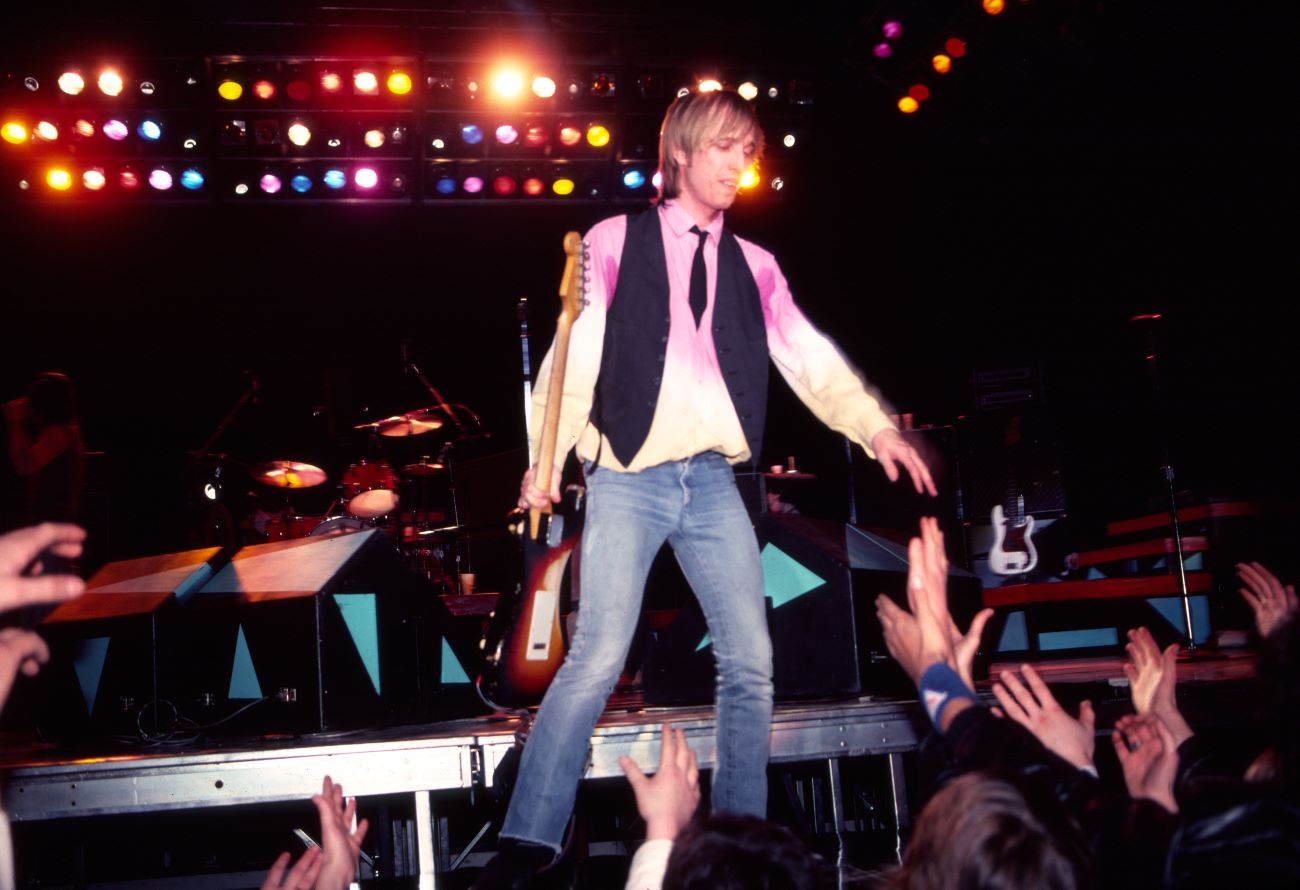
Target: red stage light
(535, 135)
(264, 89)
(954, 47)
(919, 91)
(534, 186)
(570, 135)
(504, 185)
(298, 90)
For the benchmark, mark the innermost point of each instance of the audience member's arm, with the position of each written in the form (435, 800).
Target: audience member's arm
(923, 638)
(20, 650)
(1269, 600)
(1152, 677)
(23, 579)
(1036, 709)
(340, 843)
(1148, 756)
(667, 802)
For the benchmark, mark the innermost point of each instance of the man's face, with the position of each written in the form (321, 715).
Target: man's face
(710, 175)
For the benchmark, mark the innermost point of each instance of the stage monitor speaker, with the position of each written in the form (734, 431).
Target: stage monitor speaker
(102, 679)
(311, 635)
(821, 579)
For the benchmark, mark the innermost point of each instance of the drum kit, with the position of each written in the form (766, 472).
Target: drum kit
(414, 502)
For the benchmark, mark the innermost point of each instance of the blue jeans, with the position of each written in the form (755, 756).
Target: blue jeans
(693, 505)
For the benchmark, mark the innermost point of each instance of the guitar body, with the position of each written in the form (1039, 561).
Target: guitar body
(526, 643)
(1013, 551)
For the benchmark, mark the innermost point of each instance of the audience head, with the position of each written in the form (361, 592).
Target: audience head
(53, 400)
(991, 830)
(728, 852)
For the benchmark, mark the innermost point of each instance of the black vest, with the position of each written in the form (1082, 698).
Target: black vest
(636, 339)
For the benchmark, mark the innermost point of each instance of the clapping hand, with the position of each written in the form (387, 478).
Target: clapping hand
(1268, 599)
(1148, 756)
(1152, 676)
(1035, 708)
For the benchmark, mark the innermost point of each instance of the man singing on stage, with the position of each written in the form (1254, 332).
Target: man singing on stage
(666, 389)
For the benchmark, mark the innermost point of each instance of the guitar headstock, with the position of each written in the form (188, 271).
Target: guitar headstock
(571, 284)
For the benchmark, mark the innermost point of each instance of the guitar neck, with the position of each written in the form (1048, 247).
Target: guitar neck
(554, 398)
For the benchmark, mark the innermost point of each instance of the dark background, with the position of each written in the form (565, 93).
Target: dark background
(1086, 162)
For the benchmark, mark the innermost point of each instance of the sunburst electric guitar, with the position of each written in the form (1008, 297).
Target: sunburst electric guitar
(526, 645)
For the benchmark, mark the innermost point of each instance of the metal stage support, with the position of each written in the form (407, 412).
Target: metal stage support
(460, 755)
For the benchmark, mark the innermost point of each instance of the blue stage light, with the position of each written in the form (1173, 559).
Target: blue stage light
(335, 179)
(301, 183)
(192, 179)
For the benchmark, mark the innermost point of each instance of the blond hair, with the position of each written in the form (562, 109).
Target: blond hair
(695, 119)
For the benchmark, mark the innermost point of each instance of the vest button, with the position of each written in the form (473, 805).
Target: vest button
(663, 339)
(656, 381)
(661, 358)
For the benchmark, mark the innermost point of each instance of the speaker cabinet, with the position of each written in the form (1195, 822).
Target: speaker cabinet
(103, 675)
(309, 635)
(821, 579)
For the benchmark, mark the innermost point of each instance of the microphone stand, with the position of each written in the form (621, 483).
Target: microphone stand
(1168, 470)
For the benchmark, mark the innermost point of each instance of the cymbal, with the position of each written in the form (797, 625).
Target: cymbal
(424, 468)
(287, 474)
(412, 423)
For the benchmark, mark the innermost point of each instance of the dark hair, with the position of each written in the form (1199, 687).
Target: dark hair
(990, 830)
(53, 399)
(729, 852)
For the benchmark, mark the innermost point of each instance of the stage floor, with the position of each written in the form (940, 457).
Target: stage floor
(42, 783)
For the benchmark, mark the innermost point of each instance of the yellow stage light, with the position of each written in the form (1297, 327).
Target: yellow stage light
(748, 91)
(46, 131)
(749, 178)
(597, 136)
(399, 83)
(562, 186)
(59, 179)
(230, 90)
(907, 105)
(94, 179)
(941, 63)
(710, 85)
(993, 7)
(299, 133)
(374, 138)
(14, 133)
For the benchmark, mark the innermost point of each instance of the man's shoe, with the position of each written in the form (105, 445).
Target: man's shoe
(514, 866)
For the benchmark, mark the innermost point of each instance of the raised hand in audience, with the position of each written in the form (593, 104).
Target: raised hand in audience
(1152, 676)
(301, 877)
(1268, 599)
(340, 843)
(1149, 757)
(1035, 708)
(924, 635)
(20, 650)
(25, 580)
(666, 801)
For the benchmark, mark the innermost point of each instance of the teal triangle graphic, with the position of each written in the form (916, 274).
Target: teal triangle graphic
(1171, 609)
(359, 615)
(784, 579)
(452, 670)
(243, 676)
(89, 665)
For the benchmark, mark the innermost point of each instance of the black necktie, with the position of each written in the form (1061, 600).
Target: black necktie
(699, 280)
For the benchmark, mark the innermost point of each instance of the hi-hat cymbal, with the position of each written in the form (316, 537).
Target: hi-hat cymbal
(287, 474)
(412, 423)
(424, 468)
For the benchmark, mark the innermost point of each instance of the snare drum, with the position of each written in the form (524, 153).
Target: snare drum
(370, 489)
(283, 528)
(339, 525)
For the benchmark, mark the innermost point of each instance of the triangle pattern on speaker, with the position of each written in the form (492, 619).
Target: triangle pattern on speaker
(452, 670)
(784, 579)
(358, 610)
(243, 675)
(89, 664)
